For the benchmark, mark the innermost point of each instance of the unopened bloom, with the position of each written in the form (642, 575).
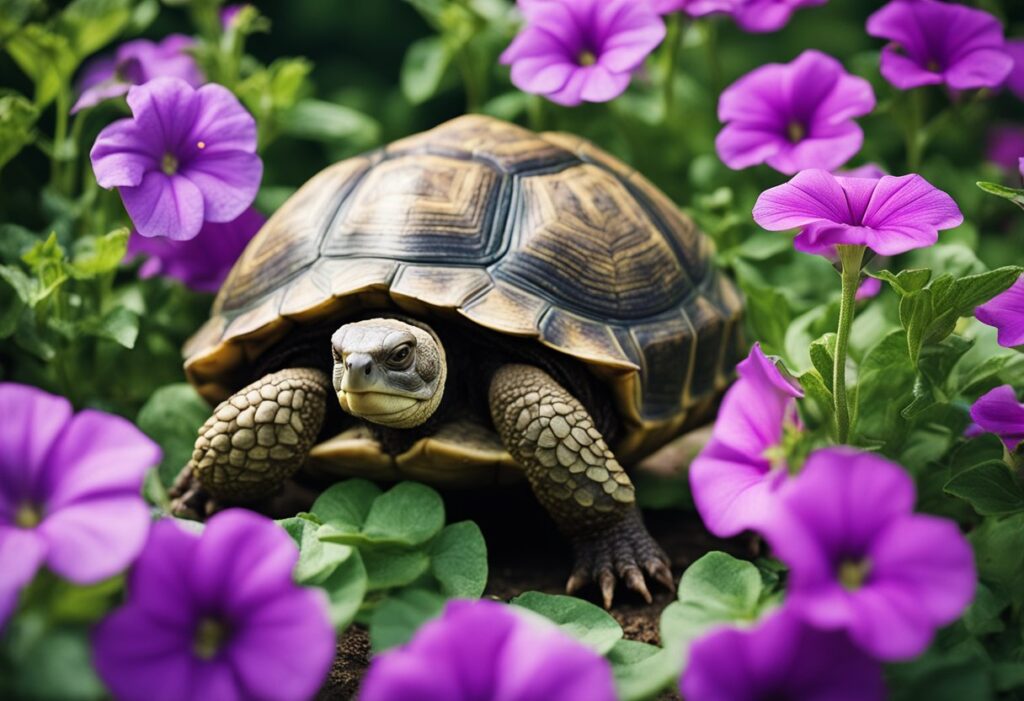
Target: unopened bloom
(889, 215)
(216, 616)
(1005, 312)
(734, 478)
(860, 559)
(761, 16)
(201, 263)
(135, 63)
(187, 156)
(868, 288)
(782, 658)
(793, 116)
(70, 491)
(486, 650)
(936, 42)
(1006, 147)
(999, 412)
(575, 51)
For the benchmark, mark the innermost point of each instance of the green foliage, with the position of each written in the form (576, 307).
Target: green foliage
(581, 619)
(387, 556)
(17, 122)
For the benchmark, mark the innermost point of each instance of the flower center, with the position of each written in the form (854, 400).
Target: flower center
(27, 515)
(169, 164)
(934, 66)
(210, 637)
(586, 58)
(796, 131)
(853, 573)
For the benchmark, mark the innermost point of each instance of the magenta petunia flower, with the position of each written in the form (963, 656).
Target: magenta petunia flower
(1006, 146)
(793, 116)
(694, 8)
(999, 412)
(69, 491)
(889, 215)
(135, 63)
(1015, 79)
(187, 156)
(861, 561)
(201, 263)
(868, 170)
(782, 658)
(1005, 312)
(486, 650)
(761, 16)
(216, 616)
(936, 42)
(734, 478)
(575, 51)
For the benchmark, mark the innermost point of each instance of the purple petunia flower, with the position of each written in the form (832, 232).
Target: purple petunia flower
(228, 13)
(694, 8)
(1005, 312)
(734, 478)
(201, 263)
(861, 561)
(69, 491)
(187, 156)
(1006, 147)
(782, 658)
(868, 170)
(889, 215)
(575, 51)
(761, 16)
(216, 616)
(868, 288)
(793, 116)
(999, 412)
(137, 62)
(936, 42)
(486, 650)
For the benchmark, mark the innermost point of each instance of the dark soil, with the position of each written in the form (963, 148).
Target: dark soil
(526, 555)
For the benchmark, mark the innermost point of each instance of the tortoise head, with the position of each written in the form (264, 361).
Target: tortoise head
(388, 371)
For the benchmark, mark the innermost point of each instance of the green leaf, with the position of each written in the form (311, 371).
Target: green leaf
(53, 663)
(423, 68)
(885, 386)
(716, 589)
(581, 619)
(641, 670)
(458, 560)
(119, 325)
(906, 282)
(96, 255)
(317, 559)
(326, 121)
(409, 513)
(346, 589)
(397, 618)
(172, 417)
(991, 488)
(17, 121)
(388, 568)
(1007, 193)
(999, 554)
(46, 57)
(984, 615)
(345, 505)
(769, 315)
(823, 352)
(13, 14)
(89, 25)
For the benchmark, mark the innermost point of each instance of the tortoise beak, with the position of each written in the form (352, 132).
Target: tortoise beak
(360, 373)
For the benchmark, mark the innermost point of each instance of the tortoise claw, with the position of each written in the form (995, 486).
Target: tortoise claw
(635, 581)
(607, 582)
(189, 499)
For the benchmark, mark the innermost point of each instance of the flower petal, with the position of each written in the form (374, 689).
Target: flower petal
(740, 146)
(122, 155)
(828, 149)
(999, 412)
(98, 453)
(285, 646)
(95, 538)
(165, 205)
(228, 181)
(1006, 313)
(221, 123)
(22, 551)
(984, 68)
(812, 196)
(33, 421)
(159, 583)
(910, 201)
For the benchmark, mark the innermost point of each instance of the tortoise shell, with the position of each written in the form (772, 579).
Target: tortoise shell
(534, 235)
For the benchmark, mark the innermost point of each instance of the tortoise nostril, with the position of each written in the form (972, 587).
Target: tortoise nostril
(368, 368)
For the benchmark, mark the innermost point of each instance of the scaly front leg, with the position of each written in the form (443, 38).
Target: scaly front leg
(578, 480)
(254, 440)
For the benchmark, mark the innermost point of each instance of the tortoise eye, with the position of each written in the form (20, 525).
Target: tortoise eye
(400, 357)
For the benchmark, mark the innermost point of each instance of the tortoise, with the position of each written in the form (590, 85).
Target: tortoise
(482, 303)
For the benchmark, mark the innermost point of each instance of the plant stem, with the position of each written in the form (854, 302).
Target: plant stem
(60, 136)
(850, 258)
(711, 48)
(915, 127)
